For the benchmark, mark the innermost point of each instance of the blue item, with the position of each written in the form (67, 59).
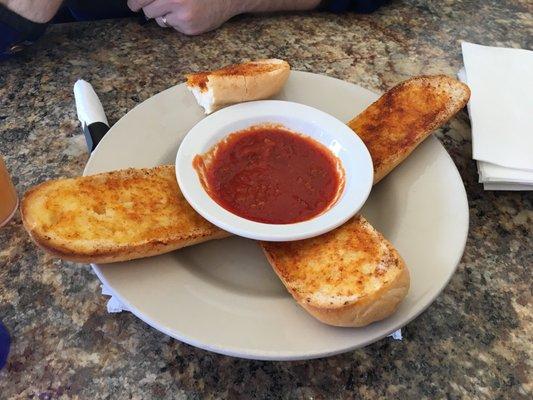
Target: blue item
(5, 342)
(359, 6)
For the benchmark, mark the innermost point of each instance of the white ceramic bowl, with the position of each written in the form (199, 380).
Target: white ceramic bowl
(318, 125)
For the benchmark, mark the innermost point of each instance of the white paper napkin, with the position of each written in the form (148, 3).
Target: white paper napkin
(501, 104)
(114, 305)
(495, 173)
(507, 186)
(496, 176)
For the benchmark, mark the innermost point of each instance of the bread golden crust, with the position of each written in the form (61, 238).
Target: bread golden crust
(351, 276)
(404, 116)
(115, 216)
(250, 68)
(373, 307)
(253, 80)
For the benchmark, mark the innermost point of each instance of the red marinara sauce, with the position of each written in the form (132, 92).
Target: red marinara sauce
(270, 174)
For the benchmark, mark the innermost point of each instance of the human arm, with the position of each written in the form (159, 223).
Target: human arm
(34, 10)
(197, 16)
(23, 21)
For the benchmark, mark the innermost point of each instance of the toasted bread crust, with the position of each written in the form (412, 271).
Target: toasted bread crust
(253, 80)
(147, 216)
(374, 307)
(394, 125)
(250, 68)
(351, 276)
(110, 255)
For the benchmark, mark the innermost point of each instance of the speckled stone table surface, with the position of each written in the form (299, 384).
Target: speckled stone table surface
(474, 341)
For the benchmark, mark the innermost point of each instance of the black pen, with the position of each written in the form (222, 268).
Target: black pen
(90, 113)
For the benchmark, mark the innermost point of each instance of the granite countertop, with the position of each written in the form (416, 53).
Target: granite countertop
(474, 341)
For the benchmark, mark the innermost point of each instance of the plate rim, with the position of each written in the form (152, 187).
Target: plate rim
(287, 355)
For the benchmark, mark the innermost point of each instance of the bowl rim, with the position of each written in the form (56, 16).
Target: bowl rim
(213, 128)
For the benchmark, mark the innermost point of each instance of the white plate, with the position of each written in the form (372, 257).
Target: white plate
(320, 126)
(223, 296)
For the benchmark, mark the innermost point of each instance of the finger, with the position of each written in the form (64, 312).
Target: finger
(183, 23)
(159, 8)
(160, 22)
(136, 5)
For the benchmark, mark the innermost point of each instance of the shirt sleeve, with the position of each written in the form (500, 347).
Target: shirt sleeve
(16, 32)
(359, 6)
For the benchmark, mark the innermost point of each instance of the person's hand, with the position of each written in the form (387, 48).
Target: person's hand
(188, 16)
(36, 11)
(193, 17)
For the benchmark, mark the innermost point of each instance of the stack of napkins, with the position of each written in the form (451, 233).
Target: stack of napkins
(501, 113)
